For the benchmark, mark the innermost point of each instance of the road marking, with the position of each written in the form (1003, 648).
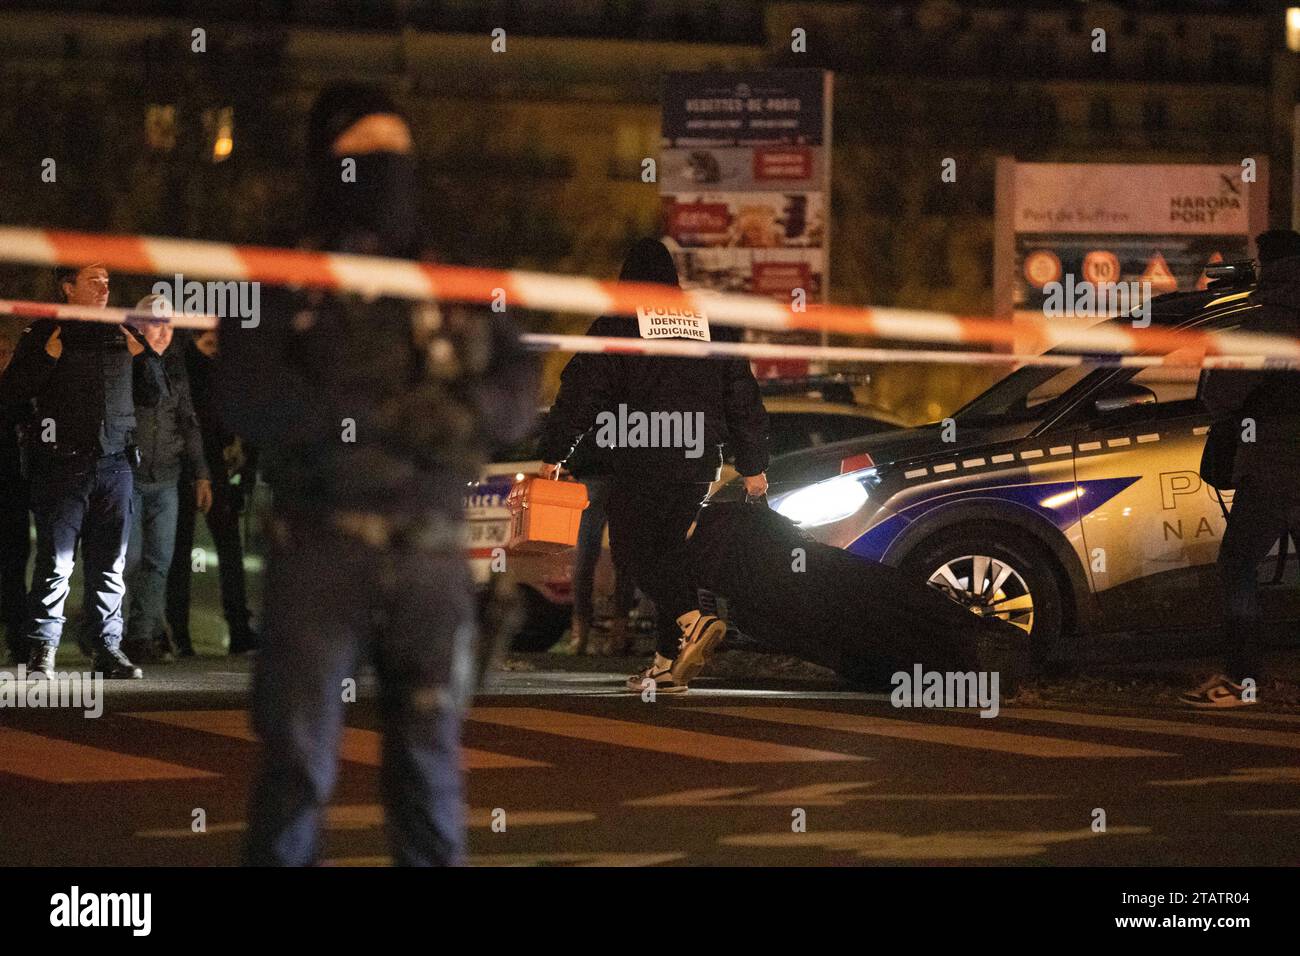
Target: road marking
(368, 816)
(975, 739)
(654, 737)
(1251, 775)
(535, 859)
(358, 745)
(950, 845)
(1232, 735)
(52, 760)
(810, 795)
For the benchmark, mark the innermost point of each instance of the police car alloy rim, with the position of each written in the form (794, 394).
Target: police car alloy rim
(987, 586)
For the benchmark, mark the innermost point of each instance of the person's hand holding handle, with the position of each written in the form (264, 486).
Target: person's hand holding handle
(755, 485)
(549, 471)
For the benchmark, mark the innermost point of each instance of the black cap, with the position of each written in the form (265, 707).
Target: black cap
(649, 261)
(338, 107)
(1277, 244)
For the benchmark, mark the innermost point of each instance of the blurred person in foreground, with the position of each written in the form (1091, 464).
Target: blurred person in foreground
(657, 491)
(85, 381)
(232, 465)
(15, 521)
(168, 437)
(372, 416)
(1262, 408)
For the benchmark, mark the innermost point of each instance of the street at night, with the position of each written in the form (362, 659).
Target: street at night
(564, 770)
(678, 443)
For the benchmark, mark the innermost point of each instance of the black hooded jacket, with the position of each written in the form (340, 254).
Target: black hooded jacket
(378, 406)
(723, 390)
(1270, 398)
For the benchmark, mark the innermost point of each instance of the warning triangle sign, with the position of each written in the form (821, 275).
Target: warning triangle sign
(1158, 274)
(1203, 282)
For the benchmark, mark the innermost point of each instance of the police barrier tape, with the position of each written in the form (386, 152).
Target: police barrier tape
(375, 276)
(541, 342)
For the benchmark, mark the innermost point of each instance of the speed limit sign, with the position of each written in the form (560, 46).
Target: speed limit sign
(1042, 267)
(1100, 266)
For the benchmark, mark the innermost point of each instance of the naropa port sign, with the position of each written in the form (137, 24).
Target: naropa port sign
(1116, 222)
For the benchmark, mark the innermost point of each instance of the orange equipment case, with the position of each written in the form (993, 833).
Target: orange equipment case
(545, 514)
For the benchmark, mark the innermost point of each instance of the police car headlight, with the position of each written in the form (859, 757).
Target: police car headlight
(827, 501)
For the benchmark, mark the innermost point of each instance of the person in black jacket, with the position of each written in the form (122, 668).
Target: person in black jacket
(372, 416)
(658, 490)
(232, 465)
(1263, 407)
(168, 438)
(86, 380)
(15, 523)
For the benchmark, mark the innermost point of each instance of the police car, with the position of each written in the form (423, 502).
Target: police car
(1065, 500)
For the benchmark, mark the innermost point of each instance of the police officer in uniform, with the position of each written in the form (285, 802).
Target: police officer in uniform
(657, 491)
(372, 416)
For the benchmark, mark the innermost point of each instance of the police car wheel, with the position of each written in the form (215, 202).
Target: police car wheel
(996, 571)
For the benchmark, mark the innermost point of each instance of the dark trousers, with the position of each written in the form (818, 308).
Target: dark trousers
(223, 522)
(647, 535)
(87, 498)
(15, 548)
(1259, 516)
(148, 559)
(591, 533)
(331, 604)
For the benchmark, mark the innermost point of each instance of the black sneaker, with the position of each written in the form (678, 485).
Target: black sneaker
(115, 665)
(40, 663)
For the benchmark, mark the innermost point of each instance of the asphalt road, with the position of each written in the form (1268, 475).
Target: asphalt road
(565, 770)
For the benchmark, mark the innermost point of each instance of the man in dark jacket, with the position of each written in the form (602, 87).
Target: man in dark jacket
(659, 485)
(372, 417)
(1263, 407)
(15, 522)
(86, 380)
(168, 438)
(231, 463)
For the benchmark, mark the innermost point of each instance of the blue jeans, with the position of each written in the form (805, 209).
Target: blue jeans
(333, 603)
(89, 499)
(148, 558)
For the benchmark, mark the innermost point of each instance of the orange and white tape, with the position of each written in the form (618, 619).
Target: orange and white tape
(374, 276)
(817, 353)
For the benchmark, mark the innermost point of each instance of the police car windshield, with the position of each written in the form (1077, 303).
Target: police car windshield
(1023, 396)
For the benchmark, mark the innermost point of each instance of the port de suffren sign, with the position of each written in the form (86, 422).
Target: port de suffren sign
(1097, 223)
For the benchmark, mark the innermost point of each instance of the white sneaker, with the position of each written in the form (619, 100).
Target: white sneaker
(701, 635)
(1216, 693)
